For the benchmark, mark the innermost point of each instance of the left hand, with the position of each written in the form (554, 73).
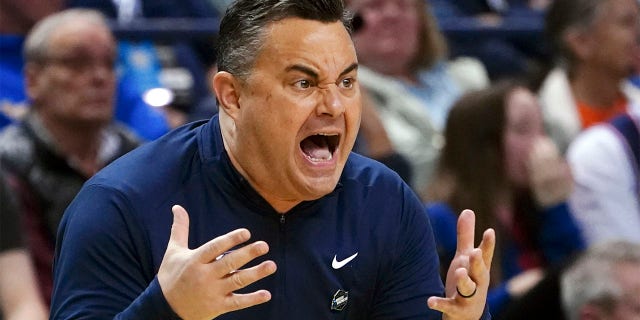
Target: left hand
(468, 273)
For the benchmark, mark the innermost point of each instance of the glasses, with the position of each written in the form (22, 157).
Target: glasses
(81, 63)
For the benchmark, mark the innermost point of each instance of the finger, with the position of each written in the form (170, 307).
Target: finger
(465, 285)
(238, 258)
(180, 228)
(478, 272)
(445, 305)
(237, 301)
(211, 250)
(461, 261)
(488, 246)
(466, 232)
(242, 278)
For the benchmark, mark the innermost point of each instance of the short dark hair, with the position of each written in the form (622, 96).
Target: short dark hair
(566, 15)
(241, 33)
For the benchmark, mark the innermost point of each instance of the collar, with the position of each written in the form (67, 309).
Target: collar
(218, 166)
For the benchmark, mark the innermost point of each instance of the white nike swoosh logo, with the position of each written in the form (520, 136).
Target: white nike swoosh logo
(339, 264)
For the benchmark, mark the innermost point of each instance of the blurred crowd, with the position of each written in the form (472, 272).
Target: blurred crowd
(537, 132)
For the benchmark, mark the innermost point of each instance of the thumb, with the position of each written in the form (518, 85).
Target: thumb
(180, 227)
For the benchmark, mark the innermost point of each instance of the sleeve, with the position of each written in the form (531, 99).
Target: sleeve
(560, 236)
(416, 271)
(415, 274)
(444, 223)
(103, 267)
(605, 199)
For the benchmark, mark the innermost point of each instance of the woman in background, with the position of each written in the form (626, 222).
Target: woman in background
(498, 161)
(409, 79)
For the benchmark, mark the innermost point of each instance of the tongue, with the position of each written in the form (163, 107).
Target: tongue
(316, 148)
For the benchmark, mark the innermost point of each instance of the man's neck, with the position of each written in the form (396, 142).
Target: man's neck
(78, 144)
(595, 88)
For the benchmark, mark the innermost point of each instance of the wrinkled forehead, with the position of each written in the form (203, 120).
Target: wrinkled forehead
(308, 37)
(324, 50)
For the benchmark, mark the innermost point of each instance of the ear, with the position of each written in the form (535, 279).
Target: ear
(31, 80)
(580, 43)
(227, 89)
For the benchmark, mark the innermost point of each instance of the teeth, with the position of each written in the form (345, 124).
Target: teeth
(317, 160)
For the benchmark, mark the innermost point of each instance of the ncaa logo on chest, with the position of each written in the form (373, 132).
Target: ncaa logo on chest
(341, 297)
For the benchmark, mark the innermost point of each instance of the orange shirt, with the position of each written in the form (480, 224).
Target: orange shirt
(590, 115)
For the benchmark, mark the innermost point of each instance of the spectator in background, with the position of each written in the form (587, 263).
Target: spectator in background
(177, 65)
(603, 283)
(69, 132)
(596, 42)
(373, 141)
(404, 68)
(498, 160)
(19, 295)
(16, 19)
(604, 161)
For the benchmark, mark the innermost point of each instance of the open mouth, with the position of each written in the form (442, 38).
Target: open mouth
(320, 147)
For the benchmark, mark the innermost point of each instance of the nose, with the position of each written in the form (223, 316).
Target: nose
(331, 104)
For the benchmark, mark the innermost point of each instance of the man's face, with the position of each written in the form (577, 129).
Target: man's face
(76, 81)
(299, 112)
(614, 37)
(523, 128)
(628, 307)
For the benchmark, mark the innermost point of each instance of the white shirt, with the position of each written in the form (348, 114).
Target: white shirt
(605, 201)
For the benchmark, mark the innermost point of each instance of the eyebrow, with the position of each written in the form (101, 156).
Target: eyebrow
(353, 66)
(313, 74)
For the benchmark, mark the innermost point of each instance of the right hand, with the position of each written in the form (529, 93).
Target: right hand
(197, 285)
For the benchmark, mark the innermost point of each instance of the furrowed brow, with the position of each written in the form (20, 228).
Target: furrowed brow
(350, 68)
(306, 70)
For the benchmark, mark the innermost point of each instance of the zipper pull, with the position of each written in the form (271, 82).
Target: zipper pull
(282, 218)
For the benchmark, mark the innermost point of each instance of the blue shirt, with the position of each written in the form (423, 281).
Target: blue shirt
(114, 234)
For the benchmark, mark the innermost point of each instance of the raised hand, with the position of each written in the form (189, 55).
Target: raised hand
(549, 173)
(467, 281)
(200, 283)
